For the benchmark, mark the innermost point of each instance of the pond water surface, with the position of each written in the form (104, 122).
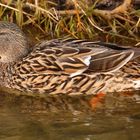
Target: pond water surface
(117, 117)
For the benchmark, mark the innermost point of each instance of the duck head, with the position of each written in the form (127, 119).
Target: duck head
(13, 43)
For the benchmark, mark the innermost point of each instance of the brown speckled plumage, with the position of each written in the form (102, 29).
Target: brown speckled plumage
(64, 66)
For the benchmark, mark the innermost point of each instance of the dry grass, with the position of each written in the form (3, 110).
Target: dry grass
(81, 22)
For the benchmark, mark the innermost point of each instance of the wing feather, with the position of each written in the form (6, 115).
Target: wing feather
(75, 57)
(109, 62)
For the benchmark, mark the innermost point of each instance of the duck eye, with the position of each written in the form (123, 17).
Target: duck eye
(0, 57)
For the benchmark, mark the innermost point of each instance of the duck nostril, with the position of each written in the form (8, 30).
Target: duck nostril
(0, 57)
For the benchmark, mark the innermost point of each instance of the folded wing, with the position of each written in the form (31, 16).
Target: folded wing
(76, 56)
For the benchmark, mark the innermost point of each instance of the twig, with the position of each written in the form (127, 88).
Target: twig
(12, 8)
(51, 16)
(110, 14)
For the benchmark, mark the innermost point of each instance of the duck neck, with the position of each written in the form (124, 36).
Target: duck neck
(5, 74)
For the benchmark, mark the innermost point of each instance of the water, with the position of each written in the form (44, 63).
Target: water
(117, 116)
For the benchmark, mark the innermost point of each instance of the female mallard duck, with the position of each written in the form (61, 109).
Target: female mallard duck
(65, 66)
